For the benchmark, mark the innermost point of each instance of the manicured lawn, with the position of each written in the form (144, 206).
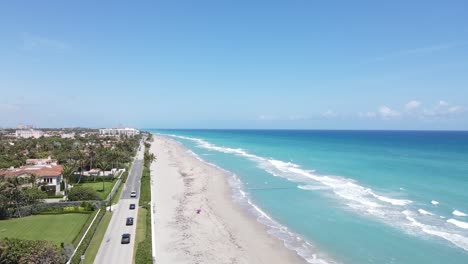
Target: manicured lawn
(143, 250)
(95, 243)
(145, 189)
(97, 185)
(141, 225)
(55, 228)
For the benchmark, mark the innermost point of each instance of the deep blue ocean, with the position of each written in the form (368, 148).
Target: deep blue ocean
(349, 196)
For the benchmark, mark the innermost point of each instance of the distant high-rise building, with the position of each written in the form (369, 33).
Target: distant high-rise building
(118, 131)
(29, 133)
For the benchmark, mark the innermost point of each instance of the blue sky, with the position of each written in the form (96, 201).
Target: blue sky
(235, 64)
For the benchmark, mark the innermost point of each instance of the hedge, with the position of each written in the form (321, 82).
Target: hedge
(76, 259)
(144, 249)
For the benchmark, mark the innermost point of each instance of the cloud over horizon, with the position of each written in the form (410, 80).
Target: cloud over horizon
(33, 42)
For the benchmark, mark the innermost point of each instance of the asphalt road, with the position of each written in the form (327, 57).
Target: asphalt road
(111, 250)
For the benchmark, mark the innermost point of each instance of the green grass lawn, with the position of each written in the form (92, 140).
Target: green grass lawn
(55, 228)
(95, 243)
(140, 229)
(143, 254)
(97, 185)
(145, 189)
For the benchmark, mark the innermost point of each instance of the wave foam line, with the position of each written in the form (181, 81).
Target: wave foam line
(460, 224)
(359, 198)
(291, 240)
(456, 239)
(424, 212)
(458, 213)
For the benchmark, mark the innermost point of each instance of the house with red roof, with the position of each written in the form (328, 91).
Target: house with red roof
(46, 175)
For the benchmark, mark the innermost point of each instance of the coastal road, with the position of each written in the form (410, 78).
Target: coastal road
(111, 250)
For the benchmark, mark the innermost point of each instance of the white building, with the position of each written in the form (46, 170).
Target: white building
(67, 135)
(29, 133)
(42, 162)
(118, 131)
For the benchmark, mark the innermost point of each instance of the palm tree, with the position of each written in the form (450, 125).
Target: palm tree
(103, 165)
(92, 155)
(149, 158)
(68, 170)
(81, 158)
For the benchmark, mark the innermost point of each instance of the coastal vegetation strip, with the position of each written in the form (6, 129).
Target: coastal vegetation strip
(141, 231)
(84, 228)
(145, 189)
(95, 242)
(87, 238)
(143, 253)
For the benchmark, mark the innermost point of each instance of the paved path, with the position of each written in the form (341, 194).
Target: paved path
(111, 250)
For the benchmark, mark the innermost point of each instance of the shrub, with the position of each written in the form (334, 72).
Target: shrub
(87, 206)
(50, 190)
(144, 250)
(83, 193)
(87, 239)
(13, 250)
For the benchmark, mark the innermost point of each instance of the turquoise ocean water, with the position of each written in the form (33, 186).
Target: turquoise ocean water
(349, 196)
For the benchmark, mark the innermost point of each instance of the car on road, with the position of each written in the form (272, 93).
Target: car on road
(125, 239)
(133, 194)
(132, 206)
(129, 221)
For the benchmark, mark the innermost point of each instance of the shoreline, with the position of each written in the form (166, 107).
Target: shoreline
(222, 232)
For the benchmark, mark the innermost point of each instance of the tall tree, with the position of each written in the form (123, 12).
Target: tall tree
(103, 165)
(81, 159)
(67, 172)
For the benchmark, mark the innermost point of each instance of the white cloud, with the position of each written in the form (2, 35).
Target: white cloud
(367, 115)
(297, 117)
(8, 107)
(32, 42)
(456, 109)
(266, 117)
(329, 114)
(413, 110)
(411, 105)
(444, 108)
(387, 112)
(443, 103)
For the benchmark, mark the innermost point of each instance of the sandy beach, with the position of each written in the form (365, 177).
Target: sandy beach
(222, 232)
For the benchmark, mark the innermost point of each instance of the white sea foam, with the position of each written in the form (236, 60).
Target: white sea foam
(456, 239)
(460, 224)
(458, 213)
(312, 187)
(291, 240)
(356, 195)
(424, 212)
(359, 198)
(391, 200)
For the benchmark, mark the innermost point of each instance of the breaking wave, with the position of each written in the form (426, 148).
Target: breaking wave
(390, 210)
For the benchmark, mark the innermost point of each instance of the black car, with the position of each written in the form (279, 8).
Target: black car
(132, 206)
(129, 220)
(125, 238)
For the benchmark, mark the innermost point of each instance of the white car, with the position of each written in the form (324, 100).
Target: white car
(133, 194)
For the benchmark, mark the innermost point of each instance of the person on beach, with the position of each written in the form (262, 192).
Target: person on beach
(198, 211)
